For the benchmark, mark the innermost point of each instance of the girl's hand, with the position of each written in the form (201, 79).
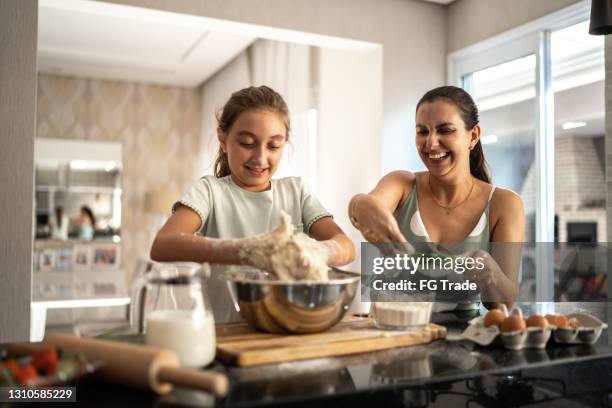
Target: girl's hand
(287, 255)
(378, 226)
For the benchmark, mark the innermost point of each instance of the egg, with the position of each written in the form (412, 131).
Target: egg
(558, 320)
(552, 319)
(513, 323)
(495, 317)
(537, 321)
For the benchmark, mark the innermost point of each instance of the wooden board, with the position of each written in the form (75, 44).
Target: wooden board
(240, 345)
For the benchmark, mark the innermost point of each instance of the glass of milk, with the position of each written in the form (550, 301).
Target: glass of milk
(177, 314)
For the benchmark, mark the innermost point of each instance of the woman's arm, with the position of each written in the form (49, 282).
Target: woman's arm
(507, 237)
(372, 213)
(341, 248)
(176, 242)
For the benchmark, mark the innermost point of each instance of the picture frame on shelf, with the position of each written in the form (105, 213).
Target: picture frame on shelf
(82, 257)
(46, 259)
(64, 260)
(105, 256)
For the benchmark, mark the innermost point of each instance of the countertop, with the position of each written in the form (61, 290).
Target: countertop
(443, 373)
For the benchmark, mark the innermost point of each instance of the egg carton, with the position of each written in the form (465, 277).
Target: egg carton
(588, 332)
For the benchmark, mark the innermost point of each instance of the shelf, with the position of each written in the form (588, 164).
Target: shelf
(84, 302)
(80, 189)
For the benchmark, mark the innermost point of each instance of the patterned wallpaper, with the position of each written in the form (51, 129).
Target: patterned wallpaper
(159, 127)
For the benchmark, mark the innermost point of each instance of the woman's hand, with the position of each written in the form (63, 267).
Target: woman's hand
(377, 225)
(485, 275)
(494, 285)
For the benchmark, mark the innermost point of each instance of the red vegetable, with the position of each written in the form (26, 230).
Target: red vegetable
(46, 361)
(26, 374)
(12, 366)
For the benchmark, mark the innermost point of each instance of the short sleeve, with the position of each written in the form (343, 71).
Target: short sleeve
(312, 210)
(199, 199)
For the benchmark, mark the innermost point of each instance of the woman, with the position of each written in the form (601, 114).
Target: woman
(453, 202)
(85, 223)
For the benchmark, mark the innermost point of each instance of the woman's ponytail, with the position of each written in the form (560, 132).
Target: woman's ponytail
(478, 164)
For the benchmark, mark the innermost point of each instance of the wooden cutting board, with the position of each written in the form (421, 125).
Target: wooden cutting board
(240, 345)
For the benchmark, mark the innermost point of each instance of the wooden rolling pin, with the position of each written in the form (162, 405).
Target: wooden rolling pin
(140, 366)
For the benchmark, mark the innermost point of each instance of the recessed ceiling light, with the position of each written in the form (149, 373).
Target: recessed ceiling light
(572, 125)
(488, 139)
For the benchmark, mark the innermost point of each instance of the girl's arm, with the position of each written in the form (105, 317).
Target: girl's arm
(340, 247)
(176, 242)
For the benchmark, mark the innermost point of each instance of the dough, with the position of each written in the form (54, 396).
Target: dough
(288, 255)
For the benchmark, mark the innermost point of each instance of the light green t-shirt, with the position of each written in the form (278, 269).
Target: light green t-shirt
(228, 211)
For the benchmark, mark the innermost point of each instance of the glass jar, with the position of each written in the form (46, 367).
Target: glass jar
(176, 313)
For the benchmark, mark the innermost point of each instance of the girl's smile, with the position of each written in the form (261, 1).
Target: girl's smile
(256, 172)
(254, 146)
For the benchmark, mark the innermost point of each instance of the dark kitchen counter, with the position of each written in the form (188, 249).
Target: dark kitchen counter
(443, 373)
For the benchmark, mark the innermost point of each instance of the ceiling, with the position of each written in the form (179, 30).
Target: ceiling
(444, 2)
(101, 40)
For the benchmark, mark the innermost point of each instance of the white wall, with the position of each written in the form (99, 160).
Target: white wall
(412, 34)
(350, 114)
(470, 21)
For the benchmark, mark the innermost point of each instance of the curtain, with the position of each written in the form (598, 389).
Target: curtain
(285, 68)
(215, 92)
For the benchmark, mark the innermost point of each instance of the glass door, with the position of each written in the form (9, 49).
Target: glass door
(510, 84)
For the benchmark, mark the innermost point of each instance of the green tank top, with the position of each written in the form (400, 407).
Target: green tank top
(412, 227)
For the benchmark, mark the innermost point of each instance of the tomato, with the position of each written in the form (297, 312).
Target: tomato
(12, 366)
(26, 374)
(46, 361)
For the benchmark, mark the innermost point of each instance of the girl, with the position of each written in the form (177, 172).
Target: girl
(451, 203)
(241, 200)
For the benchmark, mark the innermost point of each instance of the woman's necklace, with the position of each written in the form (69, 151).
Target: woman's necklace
(448, 208)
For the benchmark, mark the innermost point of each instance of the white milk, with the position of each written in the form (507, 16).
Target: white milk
(188, 333)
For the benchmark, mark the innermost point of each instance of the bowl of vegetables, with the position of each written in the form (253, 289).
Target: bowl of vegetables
(46, 367)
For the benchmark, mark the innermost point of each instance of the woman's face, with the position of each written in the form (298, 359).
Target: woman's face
(254, 146)
(442, 141)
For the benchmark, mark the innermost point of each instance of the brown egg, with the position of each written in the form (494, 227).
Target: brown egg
(562, 321)
(558, 320)
(513, 323)
(537, 321)
(494, 317)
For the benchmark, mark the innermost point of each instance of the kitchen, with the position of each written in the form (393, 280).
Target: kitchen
(397, 74)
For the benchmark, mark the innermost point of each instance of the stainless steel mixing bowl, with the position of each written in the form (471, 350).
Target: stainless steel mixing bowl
(274, 306)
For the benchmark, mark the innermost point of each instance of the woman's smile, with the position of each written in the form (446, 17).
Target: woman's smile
(437, 159)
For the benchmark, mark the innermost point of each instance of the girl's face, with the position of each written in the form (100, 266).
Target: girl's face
(254, 146)
(442, 140)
